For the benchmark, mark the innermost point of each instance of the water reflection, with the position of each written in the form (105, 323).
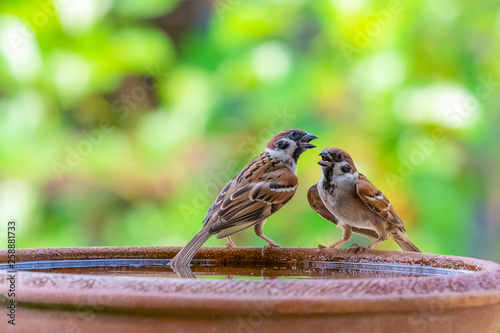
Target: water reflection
(184, 272)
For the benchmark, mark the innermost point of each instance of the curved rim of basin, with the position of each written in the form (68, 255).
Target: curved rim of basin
(480, 286)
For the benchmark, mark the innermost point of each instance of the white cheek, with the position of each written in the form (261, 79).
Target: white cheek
(336, 169)
(278, 154)
(291, 148)
(285, 155)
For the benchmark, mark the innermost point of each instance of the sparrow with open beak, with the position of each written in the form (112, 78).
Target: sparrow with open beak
(255, 193)
(348, 199)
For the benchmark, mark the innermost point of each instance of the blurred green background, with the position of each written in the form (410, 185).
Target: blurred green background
(120, 121)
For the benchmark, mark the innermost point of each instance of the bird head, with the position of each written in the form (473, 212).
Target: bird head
(337, 160)
(290, 144)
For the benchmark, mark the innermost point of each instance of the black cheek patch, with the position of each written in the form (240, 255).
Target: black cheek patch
(282, 144)
(345, 168)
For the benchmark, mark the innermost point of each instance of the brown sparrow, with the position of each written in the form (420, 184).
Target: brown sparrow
(348, 199)
(255, 193)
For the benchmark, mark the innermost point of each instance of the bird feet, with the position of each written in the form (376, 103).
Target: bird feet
(272, 246)
(230, 243)
(356, 248)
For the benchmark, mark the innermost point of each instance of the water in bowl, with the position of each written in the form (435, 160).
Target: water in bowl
(158, 268)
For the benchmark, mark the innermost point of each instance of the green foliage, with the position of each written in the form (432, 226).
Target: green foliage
(120, 121)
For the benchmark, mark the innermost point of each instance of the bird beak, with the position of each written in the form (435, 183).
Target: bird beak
(325, 158)
(304, 142)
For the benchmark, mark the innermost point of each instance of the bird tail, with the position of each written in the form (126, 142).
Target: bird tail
(183, 258)
(404, 242)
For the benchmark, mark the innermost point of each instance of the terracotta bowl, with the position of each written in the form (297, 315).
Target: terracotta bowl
(466, 300)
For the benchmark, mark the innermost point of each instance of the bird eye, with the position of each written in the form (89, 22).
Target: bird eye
(294, 135)
(337, 157)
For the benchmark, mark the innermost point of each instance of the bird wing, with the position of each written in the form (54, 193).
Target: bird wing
(377, 201)
(248, 200)
(317, 204)
(240, 181)
(218, 201)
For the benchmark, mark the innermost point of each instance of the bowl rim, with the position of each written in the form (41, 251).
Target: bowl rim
(159, 295)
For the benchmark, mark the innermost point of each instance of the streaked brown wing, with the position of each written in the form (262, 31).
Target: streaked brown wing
(317, 204)
(377, 201)
(254, 194)
(261, 164)
(274, 193)
(218, 201)
(252, 204)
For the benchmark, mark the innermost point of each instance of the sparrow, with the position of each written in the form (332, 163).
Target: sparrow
(259, 190)
(348, 199)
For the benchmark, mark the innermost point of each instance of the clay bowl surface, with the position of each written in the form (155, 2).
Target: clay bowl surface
(411, 293)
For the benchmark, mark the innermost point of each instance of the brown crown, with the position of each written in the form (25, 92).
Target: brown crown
(283, 134)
